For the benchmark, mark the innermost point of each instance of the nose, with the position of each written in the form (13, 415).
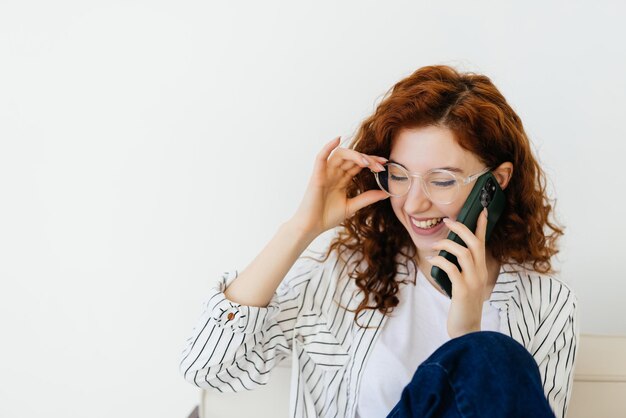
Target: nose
(416, 200)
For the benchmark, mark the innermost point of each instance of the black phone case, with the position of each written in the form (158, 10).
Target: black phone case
(485, 193)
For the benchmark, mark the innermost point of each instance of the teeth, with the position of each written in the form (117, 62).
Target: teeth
(426, 224)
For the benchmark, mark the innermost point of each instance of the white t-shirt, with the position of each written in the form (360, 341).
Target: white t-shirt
(416, 328)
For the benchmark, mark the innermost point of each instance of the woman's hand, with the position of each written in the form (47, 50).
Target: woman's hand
(325, 204)
(469, 286)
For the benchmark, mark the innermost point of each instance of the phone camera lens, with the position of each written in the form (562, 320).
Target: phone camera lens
(485, 198)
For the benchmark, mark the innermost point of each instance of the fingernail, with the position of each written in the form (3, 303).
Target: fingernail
(380, 167)
(428, 257)
(446, 220)
(366, 161)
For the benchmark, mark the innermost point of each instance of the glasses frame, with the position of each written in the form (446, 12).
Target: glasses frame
(461, 181)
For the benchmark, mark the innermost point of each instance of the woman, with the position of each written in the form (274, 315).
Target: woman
(369, 331)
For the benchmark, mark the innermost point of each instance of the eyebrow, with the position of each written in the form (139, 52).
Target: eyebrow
(453, 169)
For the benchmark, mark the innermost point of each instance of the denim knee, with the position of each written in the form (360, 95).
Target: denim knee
(490, 374)
(483, 346)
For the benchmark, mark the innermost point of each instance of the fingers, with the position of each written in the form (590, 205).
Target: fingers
(346, 158)
(345, 163)
(462, 254)
(473, 272)
(349, 165)
(364, 199)
(349, 175)
(353, 163)
(450, 268)
(373, 162)
(481, 226)
(324, 153)
(468, 237)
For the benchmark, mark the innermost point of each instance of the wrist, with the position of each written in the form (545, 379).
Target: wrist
(301, 233)
(464, 329)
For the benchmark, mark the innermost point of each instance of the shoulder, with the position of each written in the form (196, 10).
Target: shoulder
(545, 294)
(541, 311)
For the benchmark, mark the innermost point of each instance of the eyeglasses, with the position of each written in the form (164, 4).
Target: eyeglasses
(441, 186)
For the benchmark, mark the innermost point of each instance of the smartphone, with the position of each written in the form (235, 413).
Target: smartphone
(486, 193)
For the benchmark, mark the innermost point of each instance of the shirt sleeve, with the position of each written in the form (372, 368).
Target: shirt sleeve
(556, 345)
(234, 347)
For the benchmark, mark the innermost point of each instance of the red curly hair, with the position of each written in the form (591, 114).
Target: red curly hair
(483, 123)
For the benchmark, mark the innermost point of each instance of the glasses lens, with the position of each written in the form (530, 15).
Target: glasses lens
(441, 186)
(394, 180)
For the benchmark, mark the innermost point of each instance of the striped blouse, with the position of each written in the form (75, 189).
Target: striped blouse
(234, 347)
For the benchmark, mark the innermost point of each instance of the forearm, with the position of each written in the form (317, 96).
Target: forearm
(256, 285)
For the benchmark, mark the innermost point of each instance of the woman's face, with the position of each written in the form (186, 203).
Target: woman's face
(420, 150)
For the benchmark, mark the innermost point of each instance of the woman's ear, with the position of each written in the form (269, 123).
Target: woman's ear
(503, 174)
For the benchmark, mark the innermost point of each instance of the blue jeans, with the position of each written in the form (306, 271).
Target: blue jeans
(483, 374)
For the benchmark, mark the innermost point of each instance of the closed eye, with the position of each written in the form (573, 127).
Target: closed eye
(448, 183)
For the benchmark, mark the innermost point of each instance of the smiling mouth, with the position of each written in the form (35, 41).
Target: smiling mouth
(430, 223)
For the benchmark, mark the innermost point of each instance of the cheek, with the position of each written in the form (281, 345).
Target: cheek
(453, 209)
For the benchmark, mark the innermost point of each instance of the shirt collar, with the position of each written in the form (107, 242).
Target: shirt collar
(505, 285)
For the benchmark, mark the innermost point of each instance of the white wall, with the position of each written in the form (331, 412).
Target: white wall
(119, 118)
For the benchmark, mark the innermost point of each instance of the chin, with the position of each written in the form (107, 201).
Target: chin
(425, 242)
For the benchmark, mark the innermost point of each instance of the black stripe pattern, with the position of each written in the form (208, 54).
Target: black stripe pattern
(235, 347)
